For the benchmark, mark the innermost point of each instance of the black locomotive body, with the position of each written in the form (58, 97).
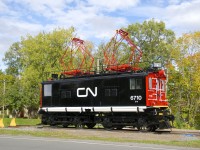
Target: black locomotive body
(114, 100)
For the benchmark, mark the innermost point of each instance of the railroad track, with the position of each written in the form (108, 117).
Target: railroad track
(124, 130)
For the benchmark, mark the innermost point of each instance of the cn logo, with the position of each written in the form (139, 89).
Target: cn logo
(86, 92)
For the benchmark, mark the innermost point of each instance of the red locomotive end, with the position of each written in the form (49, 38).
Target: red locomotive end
(156, 89)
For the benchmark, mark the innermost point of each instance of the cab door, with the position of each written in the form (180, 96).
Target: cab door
(137, 91)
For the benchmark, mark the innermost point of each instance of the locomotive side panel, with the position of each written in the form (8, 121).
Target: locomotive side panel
(75, 93)
(86, 92)
(67, 94)
(55, 94)
(110, 91)
(95, 92)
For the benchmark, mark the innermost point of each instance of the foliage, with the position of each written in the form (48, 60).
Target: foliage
(6, 82)
(29, 60)
(14, 96)
(40, 54)
(153, 39)
(184, 80)
(12, 59)
(43, 51)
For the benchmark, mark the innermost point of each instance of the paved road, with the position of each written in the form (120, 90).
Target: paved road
(34, 143)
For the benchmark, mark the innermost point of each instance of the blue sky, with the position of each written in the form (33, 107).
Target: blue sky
(94, 20)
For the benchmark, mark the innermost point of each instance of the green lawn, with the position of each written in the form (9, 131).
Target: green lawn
(21, 121)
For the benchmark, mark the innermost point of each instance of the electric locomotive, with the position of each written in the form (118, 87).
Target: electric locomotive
(115, 96)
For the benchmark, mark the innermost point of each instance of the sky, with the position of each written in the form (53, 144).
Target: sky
(94, 20)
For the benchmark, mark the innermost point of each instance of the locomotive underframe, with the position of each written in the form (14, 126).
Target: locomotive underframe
(151, 119)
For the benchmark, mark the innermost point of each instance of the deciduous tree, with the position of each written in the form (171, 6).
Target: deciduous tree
(155, 41)
(185, 90)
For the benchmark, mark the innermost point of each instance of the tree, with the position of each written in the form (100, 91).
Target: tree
(185, 90)
(14, 96)
(5, 83)
(39, 55)
(43, 51)
(154, 40)
(12, 59)
(30, 60)
(152, 37)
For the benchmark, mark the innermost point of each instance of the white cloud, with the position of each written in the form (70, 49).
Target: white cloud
(180, 16)
(46, 8)
(11, 31)
(112, 5)
(94, 20)
(90, 22)
(104, 26)
(3, 7)
(184, 16)
(174, 2)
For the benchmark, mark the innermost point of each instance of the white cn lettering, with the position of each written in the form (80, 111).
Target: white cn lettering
(86, 92)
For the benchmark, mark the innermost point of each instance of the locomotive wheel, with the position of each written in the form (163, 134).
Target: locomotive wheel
(119, 127)
(152, 128)
(77, 122)
(90, 125)
(52, 123)
(107, 124)
(65, 125)
(107, 127)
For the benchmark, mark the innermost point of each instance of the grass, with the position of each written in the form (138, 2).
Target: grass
(21, 121)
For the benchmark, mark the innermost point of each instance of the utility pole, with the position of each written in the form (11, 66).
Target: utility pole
(3, 97)
(4, 92)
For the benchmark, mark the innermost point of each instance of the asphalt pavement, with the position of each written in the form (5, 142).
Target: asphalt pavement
(37, 143)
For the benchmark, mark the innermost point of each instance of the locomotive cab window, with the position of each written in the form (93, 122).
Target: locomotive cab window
(135, 84)
(48, 90)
